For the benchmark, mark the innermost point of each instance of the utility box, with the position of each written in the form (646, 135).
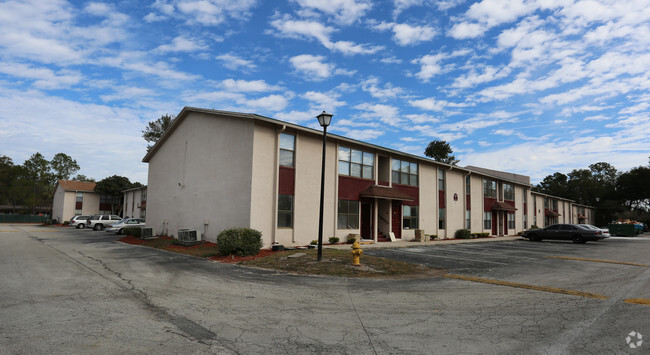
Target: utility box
(419, 236)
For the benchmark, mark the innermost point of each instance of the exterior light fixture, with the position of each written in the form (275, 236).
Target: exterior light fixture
(324, 120)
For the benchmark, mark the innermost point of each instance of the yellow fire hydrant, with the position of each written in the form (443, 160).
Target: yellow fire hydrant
(356, 253)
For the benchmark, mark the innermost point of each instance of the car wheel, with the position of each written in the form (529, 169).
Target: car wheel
(119, 232)
(97, 227)
(578, 239)
(81, 226)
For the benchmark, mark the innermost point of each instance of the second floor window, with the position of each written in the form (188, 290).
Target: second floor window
(441, 179)
(405, 173)
(508, 192)
(287, 149)
(356, 163)
(489, 188)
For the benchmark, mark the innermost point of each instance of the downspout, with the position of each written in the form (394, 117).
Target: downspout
(276, 179)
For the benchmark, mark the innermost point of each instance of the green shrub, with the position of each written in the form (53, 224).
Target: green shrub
(463, 234)
(333, 240)
(484, 235)
(534, 227)
(314, 242)
(351, 239)
(432, 236)
(239, 241)
(134, 231)
(66, 223)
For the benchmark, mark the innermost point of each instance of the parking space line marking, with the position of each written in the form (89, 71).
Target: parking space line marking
(449, 257)
(526, 286)
(643, 301)
(598, 261)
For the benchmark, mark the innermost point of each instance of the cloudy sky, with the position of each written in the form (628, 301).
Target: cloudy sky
(531, 87)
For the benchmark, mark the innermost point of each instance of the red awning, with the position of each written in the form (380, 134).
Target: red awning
(502, 206)
(552, 213)
(581, 216)
(385, 192)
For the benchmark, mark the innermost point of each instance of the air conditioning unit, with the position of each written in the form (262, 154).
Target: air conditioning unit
(189, 235)
(147, 232)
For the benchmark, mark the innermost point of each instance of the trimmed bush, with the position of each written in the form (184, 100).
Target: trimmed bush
(314, 242)
(334, 240)
(534, 227)
(433, 236)
(134, 231)
(66, 223)
(239, 241)
(463, 234)
(351, 239)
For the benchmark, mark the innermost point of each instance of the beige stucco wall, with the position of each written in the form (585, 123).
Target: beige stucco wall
(264, 182)
(476, 203)
(200, 178)
(428, 180)
(455, 184)
(64, 202)
(90, 204)
(132, 200)
(58, 202)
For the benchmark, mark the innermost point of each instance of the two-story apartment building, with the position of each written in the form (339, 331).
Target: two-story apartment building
(214, 170)
(72, 198)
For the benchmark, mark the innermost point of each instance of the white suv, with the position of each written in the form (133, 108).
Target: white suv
(99, 221)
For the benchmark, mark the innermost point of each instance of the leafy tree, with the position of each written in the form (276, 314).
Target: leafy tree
(633, 188)
(556, 185)
(37, 170)
(156, 129)
(440, 151)
(112, 187)
(64, 166)
(81, 177)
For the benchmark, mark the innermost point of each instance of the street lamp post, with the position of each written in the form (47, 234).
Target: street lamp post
(324, 120)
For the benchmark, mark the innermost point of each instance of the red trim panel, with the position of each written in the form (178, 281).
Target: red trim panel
(468, 202)
(286, 180)
(412, 191)
(488, 203)
(350, 187)
(441, 198)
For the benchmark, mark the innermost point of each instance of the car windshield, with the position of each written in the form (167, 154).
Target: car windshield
(123, 220)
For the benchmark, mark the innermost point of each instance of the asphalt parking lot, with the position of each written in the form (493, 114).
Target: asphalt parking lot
(79, 291)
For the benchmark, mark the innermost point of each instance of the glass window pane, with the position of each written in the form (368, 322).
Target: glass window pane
(285, 219)
(353, 207)
(287, 141)
(355, 170)
(414, 180)
(353, 221)
(344, 168)
(396, 164)
(368, 172)
(343, 206)
(407, 211)
(344, 154)
(285, 202)
(286, 157)
(414, 168)
(405, 167)
(368, 159)
(356, 156)
(404, 178)
(395, 177)
(342, 221)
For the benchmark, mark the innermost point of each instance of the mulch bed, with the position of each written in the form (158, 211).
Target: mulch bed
(129, 239)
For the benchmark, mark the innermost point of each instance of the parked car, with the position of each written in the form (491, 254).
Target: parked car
(605, 230)
(79, 222)
(124, 223)
(99, 221)
(573, 232)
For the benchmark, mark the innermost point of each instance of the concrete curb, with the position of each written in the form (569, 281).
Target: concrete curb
(411, 244)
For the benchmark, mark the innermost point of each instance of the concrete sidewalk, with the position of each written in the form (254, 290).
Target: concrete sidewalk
(437, 242)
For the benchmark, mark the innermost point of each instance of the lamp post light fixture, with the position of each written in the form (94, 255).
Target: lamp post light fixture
(324, 120)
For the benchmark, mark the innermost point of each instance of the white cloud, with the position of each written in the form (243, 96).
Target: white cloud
(597, 118)
(181, 44)
(234, 62)
(407, 35)
(312, 66)
(360, 134)
(44, 78)
(473, 78)
(248, 86)
(372, 86)
(504, 132)
(429, 66)
(466, 30)
(384, 113)
(344, 11)
(269, 103)
(299, 117)
(323, 101)
(204, 12)
(298, 29)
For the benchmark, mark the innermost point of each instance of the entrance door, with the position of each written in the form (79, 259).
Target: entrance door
(366, 220)
(397, 219)
(494, 222)
(500, 218)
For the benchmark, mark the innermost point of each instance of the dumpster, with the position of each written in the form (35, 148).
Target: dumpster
(627, 230)
(638, 229)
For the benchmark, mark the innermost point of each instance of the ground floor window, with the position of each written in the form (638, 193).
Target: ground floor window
(525, 221)
(487, 220)
(348, 217)
(410, 217)
(285, 211)
(468, 219)
(511, 221)
(441, 218)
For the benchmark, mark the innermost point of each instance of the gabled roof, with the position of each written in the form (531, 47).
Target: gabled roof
(68, 185)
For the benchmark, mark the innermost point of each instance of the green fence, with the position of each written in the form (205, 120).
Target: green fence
(23, 218)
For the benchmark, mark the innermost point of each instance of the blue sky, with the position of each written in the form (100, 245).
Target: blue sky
(530, 87)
